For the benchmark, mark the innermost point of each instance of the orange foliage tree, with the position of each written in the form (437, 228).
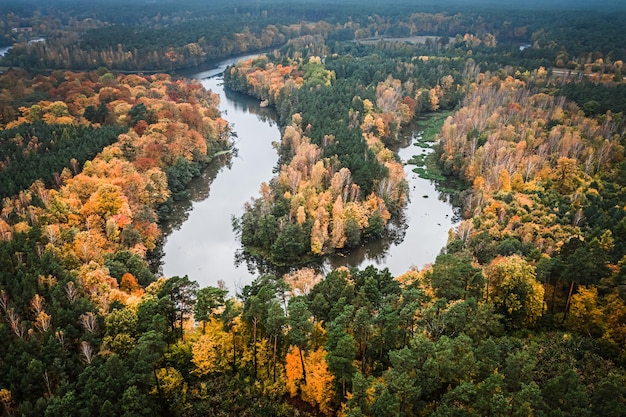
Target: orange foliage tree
(318, 389)
(111, 204)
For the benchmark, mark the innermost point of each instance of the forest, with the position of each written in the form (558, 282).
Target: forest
(523, 312)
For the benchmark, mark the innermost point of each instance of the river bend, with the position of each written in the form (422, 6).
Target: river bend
(203, 245)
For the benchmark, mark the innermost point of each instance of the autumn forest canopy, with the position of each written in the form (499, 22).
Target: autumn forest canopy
(522, 313)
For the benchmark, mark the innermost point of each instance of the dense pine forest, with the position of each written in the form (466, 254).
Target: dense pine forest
(523, 312)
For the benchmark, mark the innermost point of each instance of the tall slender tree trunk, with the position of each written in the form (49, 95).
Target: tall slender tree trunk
(382, 342)
(46, 379)
(302, 362)
(274, 359)
(487, 291)
(254, 321)
(234, 353)
(363, 348)
(182, 318)
(268, 348)
(160, 393)
(553, 297)
(182, 336)
(569, 300)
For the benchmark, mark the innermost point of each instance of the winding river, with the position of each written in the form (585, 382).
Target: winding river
(202, 245)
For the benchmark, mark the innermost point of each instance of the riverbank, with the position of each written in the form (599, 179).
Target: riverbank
(203, 245)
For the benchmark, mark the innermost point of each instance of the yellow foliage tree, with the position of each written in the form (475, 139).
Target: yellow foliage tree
(585, 315)
(319, 232)
(171, 384)
(210, 352)
(301, 215)
(338, 236)
(513, 288)
(505, 181)
(318, 390)
(293, 371)
(6, 400)
(566, 175)
(615, 318)
(319, 383)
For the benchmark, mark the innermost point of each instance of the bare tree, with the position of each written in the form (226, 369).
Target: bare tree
(43, 322)
(37, 304)
(89, 321)
(15, 323)
(48, 381)
(86, 351)
(71, 292)
(4, 301)
(60, 336)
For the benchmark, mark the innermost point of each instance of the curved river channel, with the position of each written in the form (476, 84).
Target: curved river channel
(200, 242)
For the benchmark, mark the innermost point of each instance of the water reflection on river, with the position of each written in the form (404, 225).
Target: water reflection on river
(418, 237)
(202, 245)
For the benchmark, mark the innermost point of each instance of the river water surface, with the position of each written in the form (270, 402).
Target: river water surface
(202, 245)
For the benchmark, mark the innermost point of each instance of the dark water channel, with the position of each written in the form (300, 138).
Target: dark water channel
(200, 243)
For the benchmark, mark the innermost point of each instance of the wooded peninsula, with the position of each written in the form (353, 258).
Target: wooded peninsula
(522, 313)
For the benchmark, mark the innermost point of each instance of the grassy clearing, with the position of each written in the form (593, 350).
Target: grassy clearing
(426, 165)
(432, 126)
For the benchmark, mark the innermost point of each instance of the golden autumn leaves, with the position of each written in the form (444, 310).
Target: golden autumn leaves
(500, 146)
(316, 190)
(321, 194)
(111, 204)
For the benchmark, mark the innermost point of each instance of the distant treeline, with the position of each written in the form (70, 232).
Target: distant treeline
(167, 36)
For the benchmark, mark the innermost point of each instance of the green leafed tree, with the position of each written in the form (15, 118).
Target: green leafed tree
(300, 326)
(208, 299)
